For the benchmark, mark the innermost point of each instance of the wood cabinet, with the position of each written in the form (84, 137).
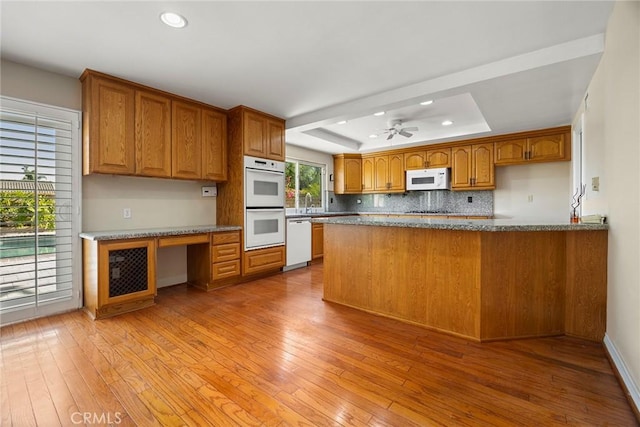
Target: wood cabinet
(214, 145)
(368, 174)
(472, 167)
(347, 174)
(469, 160)
(439, 157)
(108, 117)
(131, 129)
(415, 160)
(263, 135)
(544, 148)
(425, 159)
(389, 173)
(186, 147)
(152, 134)
(317, 243)
(263, 260)
(225, 257)
(119, 276)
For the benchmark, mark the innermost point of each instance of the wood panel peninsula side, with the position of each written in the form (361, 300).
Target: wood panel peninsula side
(483, 279)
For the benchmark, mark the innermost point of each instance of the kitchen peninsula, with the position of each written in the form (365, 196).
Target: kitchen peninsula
(482, 279)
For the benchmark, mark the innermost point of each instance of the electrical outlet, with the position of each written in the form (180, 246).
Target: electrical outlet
(530, 198)
(595, 183)
(126, 213)
(470, 199)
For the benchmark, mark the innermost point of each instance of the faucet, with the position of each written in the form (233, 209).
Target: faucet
(307, 198)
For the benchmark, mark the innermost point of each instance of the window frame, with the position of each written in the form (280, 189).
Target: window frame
(323, 185)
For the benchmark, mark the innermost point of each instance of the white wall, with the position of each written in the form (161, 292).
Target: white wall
(547, 183)
(612, 152)
(154, 202)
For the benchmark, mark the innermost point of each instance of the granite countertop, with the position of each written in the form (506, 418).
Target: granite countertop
(408, 214)
(156, 232)
(319, 214)
(463, 224)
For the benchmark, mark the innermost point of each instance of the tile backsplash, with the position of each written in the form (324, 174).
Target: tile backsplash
(464, 202)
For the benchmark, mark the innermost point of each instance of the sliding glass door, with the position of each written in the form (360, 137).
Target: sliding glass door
(40, 210)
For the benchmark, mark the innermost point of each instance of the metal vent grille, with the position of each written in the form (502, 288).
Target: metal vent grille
(127, 271)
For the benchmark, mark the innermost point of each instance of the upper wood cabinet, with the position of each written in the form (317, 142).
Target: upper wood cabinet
(424, 159)
(544, 148)
(438, 157)
(214, 145)
(389, 173)
(368, 174)
(415, 160)
(153, 135)
(186, 147)
(548, 148)
(472, 167)
(263, 135)
(130, 129)
(108, 122)
(347, 173)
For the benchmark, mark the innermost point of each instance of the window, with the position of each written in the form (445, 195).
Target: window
(304, 186)
(39, 220)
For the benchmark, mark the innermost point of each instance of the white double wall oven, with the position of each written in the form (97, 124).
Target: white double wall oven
(264, 214)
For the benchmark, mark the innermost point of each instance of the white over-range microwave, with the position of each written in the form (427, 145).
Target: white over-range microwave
(429, 179)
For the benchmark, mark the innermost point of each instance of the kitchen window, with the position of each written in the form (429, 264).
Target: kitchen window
(304, 185)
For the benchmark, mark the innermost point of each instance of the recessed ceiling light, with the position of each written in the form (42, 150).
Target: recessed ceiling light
(379, 113)
(173, 19)
(373, 136)
(429, 102)
(341, 122)
(447, 123)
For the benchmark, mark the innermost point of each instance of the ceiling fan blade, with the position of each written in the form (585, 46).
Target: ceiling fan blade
(405, 134)
(390, 136)
(411, 129)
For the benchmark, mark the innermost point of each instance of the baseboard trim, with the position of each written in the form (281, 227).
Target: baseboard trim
(626, 381)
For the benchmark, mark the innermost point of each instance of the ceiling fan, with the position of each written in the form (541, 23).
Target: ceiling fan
(397, 129)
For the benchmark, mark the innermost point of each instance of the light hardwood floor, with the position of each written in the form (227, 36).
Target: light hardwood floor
(272, 353)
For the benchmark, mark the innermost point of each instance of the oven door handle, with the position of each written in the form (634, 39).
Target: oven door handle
(264, 171)
(263, 209)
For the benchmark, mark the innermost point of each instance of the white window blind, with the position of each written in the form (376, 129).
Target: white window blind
(39, 218)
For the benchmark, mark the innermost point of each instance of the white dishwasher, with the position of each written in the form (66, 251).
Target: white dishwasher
(298, 242)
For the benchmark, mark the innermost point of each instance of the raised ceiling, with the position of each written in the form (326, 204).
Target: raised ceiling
(490, 67)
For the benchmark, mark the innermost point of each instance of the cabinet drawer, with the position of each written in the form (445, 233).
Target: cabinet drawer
(226, 237)
(227, 252)
(222, 270)
(263, 260)
(190, 239)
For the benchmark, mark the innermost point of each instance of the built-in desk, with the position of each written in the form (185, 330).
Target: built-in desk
(120, 266)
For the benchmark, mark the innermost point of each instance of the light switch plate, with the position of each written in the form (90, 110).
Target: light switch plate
(595, 183)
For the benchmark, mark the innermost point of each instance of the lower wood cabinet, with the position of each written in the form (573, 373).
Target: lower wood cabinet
(263, 260)
(225, 256)
(216, 263)
(119, 276)
(317, 244)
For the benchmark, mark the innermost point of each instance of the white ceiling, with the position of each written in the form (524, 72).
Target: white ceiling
(503, 66)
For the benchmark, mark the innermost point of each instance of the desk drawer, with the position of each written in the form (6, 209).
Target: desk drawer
(226, 252)
(225, 237)
(222, 270)
(189, 239)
